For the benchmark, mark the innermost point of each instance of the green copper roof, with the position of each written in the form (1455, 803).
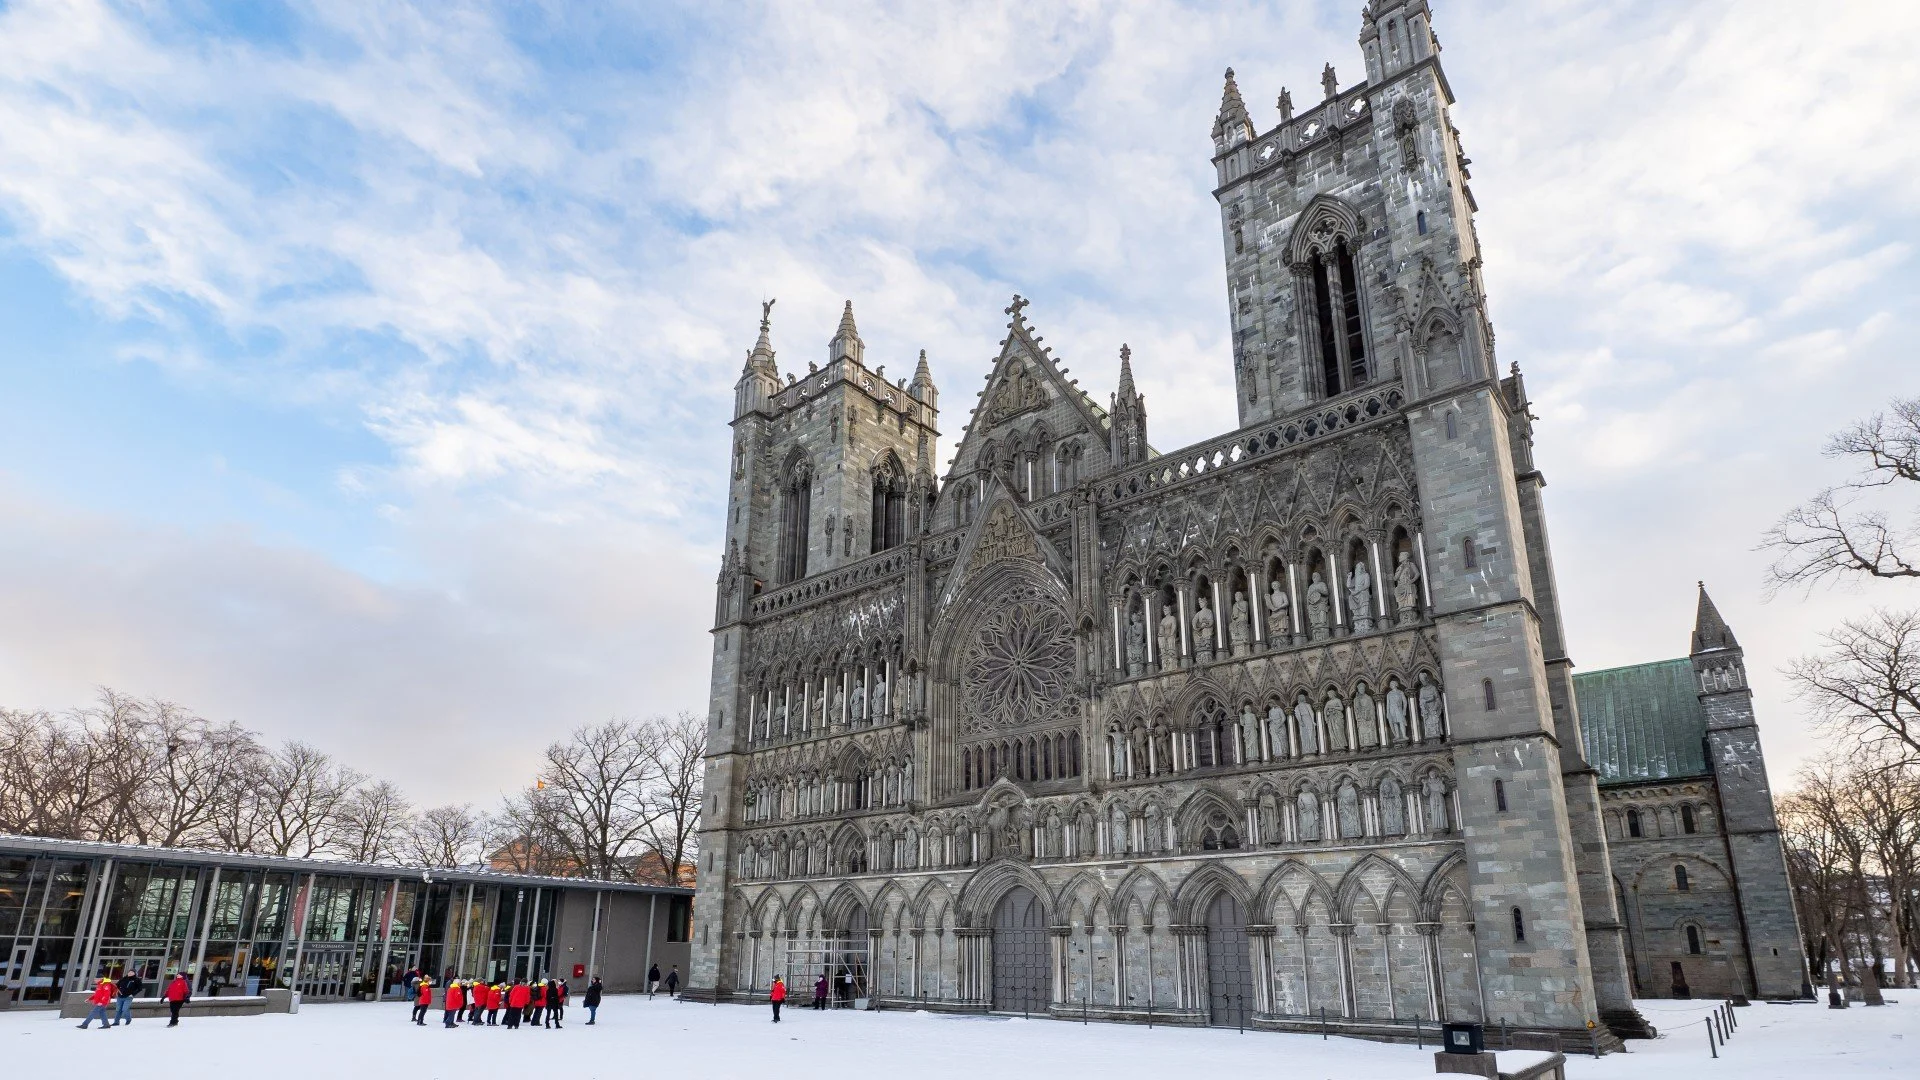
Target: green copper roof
(1642, 722)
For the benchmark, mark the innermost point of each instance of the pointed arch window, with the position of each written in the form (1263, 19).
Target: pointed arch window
(796, 517)
(1341, 333)
(1633, 822)
(888, 513)
(1686, 819)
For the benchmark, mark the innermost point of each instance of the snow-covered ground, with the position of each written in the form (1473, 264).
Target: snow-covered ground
(662, 1038)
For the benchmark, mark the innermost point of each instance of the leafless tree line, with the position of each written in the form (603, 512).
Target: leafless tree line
(1852, 832)
(621, 800)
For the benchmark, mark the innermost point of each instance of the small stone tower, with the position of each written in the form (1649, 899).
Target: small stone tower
(1746, 809)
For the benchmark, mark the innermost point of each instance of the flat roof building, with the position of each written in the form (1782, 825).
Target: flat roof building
(72, 911)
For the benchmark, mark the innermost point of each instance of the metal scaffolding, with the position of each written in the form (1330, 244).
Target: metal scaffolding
(845, 961)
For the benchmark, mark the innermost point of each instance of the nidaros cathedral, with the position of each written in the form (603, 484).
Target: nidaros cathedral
(1276, 729)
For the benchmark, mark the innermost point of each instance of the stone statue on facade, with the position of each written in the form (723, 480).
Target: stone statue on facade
(1279, 615)
(1432, 724)
(859, 702)
(783, 715)
(1366, 719)
(1136, 645)
(879, 696)
(1142, 763)
(1306, 725)
(1249, 734)
(1277, 733)
(1307, 815)
(1348, 801)
(839, 706)
(1406, 589)
(1393, 808)
(1203, 629)
(1360, 597)
(1435, 793)
(1239, 629)
(1329, 81)
(1396, 714)
(1169, 640)
(1318, 608)
(1335, 713)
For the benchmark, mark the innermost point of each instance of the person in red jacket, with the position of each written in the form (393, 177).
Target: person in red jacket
(517, 998)
(456, 1000)
(102, 1000)
(539, 1004)
(422, 999)
(495, 993)
(178, 993)
(777, 995)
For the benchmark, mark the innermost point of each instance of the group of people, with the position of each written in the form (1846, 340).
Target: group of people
(118, 996)
(822, 988)
(541, 1002)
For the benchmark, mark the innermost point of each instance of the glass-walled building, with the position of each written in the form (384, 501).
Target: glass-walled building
(71, 912)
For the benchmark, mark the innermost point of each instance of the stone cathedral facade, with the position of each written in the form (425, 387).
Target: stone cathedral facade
(1273, 728)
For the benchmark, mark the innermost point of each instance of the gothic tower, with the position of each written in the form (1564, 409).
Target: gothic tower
(1769, 923)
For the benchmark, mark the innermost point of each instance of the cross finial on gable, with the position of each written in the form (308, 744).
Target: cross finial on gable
(1019, 304)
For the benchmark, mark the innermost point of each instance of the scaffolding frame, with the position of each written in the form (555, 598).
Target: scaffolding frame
(847, 962)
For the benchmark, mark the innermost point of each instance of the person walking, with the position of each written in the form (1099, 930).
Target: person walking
(518, 996)
(539, 1004)
(495, 994)
(126, 989)
(653, 980)
(673, 981)
(820, 992)
(422, 999)
(592, 1000)
(777, 994)
(101, 1000)
(553, 1005)
(566, 994)
(456, 1000)
(178, 993)
(476, 1002)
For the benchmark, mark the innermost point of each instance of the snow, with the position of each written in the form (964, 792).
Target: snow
(637, 1037)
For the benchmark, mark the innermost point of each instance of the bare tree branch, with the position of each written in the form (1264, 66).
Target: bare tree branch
(1835, 534)
(1866, 682)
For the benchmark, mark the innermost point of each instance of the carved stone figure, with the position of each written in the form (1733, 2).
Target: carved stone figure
(1162, 750)
(1435, 793)
(1239, 629)
(1279, 615)
(1142, 763)
(1336, 715)
(1169, 640)
(1360, 597)
(1203, 632)
(1136, 645)
(1318, 608)
(1393, 808)
(783, 714)
(1432, 724)
(1366, 719)
(1329, 81)
(1396, 714)
(879, 696)
(1277, 733)
(1406, 589)
(1347, 806)
(1249, 734)
(1305, 724)
(859, 700)
(1307, 815)
(838, 707)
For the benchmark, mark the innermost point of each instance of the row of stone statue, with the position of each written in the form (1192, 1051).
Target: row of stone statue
(1332, 727)
(1280, 628)
(774, 722)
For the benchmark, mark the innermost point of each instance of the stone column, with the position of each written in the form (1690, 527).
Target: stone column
(1220, 642)
(1186, 642)
(1257, 606)
(1426, 589)
(1436, 986)
(1119, 640)
(1261, 938)
(1343, 934)
(1153, 629)
(1293, 600)
(1057, 937)
(1381, 614)
(1119, 935)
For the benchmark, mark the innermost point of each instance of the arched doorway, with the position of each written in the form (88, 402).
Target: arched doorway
(1022, 979)
(1229, 963)
(852, 966)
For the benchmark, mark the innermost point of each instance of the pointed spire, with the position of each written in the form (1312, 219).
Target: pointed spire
(760, 360)
(1710, 631)
(1126, 371)
(1232, 125)
(846, 343)
(922, 385)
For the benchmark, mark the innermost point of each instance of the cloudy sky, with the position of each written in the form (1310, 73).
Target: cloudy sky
(365, 368)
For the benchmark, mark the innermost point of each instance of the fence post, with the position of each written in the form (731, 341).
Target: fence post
(1323, 1023)
(1710, 1046)
(1419, 1040)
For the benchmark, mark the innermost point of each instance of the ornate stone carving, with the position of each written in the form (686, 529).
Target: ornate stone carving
(1169, 640)
(1279, 615)
(1203, 630)
(1306, 725)
(1397, 731)
(1406, 589)
(1366, 719)
(1004, 537)
(1019, 392)
(1335, 712)
(1318, 607)
(1017, 669)
(1277, 732)
(1239, 629)
(1136, 645)
(1360, 597)
(1432, 724)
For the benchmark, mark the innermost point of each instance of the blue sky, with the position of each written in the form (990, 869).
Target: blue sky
(365, 368)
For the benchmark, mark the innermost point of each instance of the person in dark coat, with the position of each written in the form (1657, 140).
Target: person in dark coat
(178, 993)
(556, 1002)
(653, 980)
(592, 1000)
(673, 981)
(126, 990)
(820, 992)
(538, 1005)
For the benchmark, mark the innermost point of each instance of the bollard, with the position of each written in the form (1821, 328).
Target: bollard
(1323, 1024)
(1506, 1043)
(1419, 1042)
(1710, 1046)
(1239, 1016)
(1733, 1016)
(1083, 1007)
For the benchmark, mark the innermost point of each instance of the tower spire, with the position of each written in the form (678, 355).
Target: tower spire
(1710, 631)
(1232, 126)
(1127, 417)
(846, 343)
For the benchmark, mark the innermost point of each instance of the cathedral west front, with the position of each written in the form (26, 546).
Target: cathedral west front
(1274, 730)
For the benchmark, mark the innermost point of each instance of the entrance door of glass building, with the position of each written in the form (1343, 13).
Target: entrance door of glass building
(325, 971)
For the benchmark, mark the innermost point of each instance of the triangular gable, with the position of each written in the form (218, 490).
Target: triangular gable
(1002, 532)
(1024, 380)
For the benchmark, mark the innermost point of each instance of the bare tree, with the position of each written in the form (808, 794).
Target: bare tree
(524, 837)
(446, 836)
(1839, 532)
(1866, 682)
(593, 796)
(678, 793)
(303, 800)
(375, 823)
